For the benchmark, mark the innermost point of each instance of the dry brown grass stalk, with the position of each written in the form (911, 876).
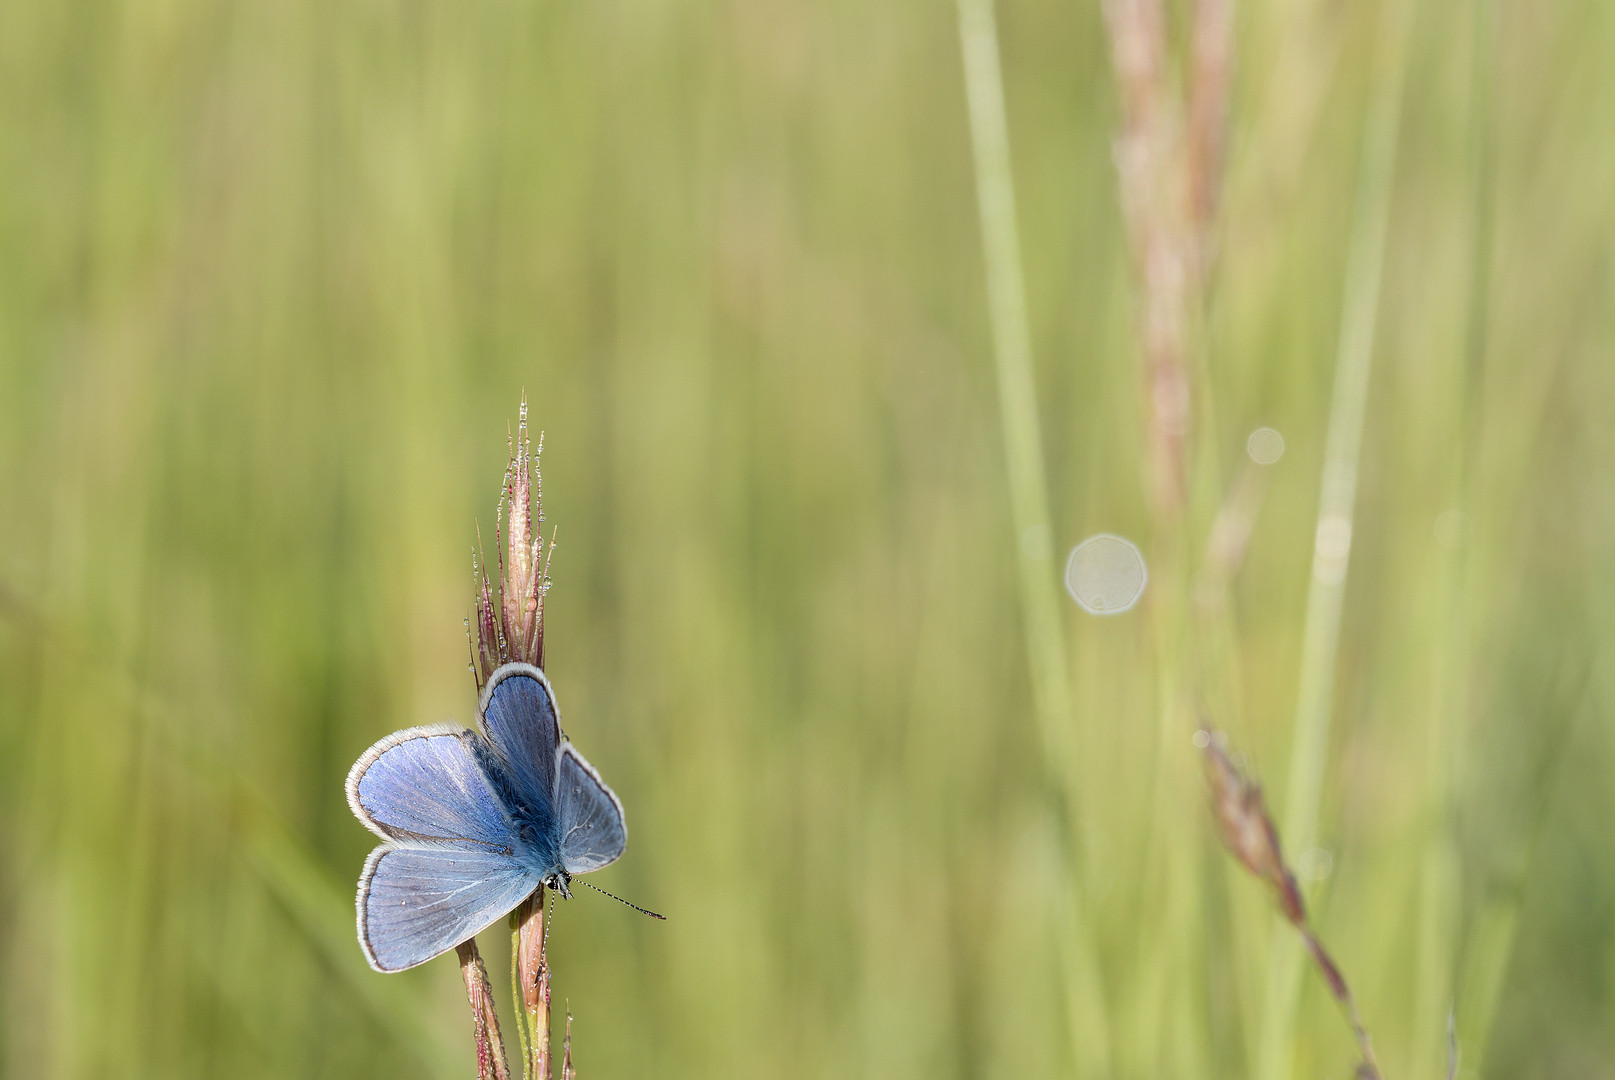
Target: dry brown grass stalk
(510, 628)
(510, 619)
(491, 1061)
(1170, 178)
(533, 975)
(1149, 164)
(1210, 75)
(1247, 831)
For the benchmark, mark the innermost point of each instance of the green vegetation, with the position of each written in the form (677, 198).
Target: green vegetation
(275, 273)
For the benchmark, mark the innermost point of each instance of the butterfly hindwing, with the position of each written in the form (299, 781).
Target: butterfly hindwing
(588, 815)
(417, 902)
(517, 716)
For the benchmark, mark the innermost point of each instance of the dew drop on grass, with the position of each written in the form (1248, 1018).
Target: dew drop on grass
(1265, 446)
(1105, 574)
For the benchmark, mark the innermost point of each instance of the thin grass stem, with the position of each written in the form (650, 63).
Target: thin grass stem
(516, 993)
(1336, 504)
(1028, 486)
(534, 978)
(491, 1061)
(1017, 396)
(1491, 936)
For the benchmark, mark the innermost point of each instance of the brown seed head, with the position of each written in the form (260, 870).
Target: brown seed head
(1246, 828)
(510, 619)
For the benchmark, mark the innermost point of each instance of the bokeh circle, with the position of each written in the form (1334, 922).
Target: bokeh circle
(1105, 574)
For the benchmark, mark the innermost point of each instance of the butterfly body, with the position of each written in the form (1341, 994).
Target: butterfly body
(475, 821)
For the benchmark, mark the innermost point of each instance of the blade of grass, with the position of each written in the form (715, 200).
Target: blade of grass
(1336, 504)
(1028, 487)
(1012, 354)
(1440, 869)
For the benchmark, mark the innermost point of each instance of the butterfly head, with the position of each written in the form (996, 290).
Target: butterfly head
(559, 882)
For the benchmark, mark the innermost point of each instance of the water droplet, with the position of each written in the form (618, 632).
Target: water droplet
(1105, 574)
(1265, 446)
(1202, 739)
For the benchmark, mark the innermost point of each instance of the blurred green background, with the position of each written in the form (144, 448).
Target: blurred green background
(273, 277)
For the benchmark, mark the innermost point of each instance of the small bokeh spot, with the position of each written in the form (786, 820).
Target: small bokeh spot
(1105, 574)
(1315, 863)
(1265, 446)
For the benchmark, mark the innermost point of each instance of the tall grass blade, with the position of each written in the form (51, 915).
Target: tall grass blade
(1028, 487)
(1337, 503)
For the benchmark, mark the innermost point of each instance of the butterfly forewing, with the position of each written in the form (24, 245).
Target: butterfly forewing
(426, 786)
(588, 814)
(517, 716)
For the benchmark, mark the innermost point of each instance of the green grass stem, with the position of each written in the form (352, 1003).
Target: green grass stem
(1017, 394)
(1320, 642)
(1028, 493)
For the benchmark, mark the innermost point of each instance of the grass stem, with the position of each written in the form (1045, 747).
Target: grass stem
(491, 1062)
(1028, 489)
(1336, 504)
(533, 976)
(1012, 354)
(516, 993)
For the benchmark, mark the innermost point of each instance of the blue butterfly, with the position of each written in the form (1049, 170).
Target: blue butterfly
(475, 821)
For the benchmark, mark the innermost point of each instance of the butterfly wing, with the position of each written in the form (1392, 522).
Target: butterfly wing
(588, 814)
(417, 902)
(561, 790)
(427, 785)
(454, 861)
(517, 716)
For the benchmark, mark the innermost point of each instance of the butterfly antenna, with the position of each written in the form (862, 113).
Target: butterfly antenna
(620, 900)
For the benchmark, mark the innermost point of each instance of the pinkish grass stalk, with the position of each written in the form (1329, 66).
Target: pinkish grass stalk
(1170, 179)
(491, 1061)
(533, 976)
(1210, 76)
(510, 629)
(1151, 170)
(1169, 184)
(510, 618)
(1248, 832)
